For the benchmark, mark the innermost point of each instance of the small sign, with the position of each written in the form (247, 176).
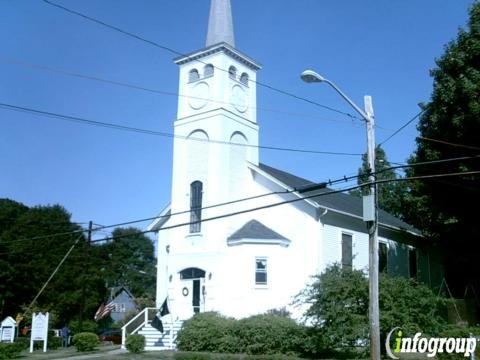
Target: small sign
(7, 334)
(39, 330)
(7, 329)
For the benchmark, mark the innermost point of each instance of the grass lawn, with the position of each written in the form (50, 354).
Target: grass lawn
(63, 353)
(103, 353)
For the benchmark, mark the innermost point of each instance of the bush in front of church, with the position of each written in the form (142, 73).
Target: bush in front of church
(259, 334)
(208, 331)
(270, 334)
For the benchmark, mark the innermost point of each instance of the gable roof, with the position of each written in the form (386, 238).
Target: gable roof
(338, 202)
(115, 291)
(255, 230)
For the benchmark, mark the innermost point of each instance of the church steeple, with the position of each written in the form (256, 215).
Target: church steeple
(220, 24)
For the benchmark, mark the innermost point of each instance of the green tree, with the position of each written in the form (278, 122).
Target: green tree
(130, 261)
(452, 120)
(10, 211)
(390, 194)
(338, 307)
(31, 254)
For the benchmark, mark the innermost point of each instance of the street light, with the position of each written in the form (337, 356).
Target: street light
(370, 214)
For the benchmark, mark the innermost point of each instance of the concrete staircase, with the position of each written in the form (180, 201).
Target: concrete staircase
(155, 340)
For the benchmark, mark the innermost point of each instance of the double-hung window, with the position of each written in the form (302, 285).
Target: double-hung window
(261, 271)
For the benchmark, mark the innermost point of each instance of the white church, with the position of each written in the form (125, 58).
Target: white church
(214, 252)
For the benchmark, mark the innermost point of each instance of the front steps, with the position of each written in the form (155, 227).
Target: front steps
(155, 340)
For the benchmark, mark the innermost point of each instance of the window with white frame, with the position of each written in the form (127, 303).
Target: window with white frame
(260, 271)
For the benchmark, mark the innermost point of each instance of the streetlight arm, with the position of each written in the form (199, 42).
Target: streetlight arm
(347, 99)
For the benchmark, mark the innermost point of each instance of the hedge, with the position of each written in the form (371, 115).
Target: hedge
(259, 334)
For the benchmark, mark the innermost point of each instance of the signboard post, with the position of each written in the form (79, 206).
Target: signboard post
(7, 330)
(39, 330)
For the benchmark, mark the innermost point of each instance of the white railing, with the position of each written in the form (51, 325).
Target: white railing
(137, 322)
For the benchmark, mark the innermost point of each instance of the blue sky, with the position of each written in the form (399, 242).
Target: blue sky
(381, 48)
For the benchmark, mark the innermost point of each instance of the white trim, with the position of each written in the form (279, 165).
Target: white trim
(281, 184)
(160, 220)
(247, 241)
(318, 206)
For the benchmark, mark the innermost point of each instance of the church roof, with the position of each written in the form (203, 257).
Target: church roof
(255, 230)
(220, 24)
(339, 202)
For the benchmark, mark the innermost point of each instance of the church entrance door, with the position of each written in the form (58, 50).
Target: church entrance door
(193, 278)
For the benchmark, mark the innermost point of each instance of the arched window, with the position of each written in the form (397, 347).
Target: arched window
(208, 71)
(232, 72)
(196, 206)
(193, 75)
(244, 78)
(192, 273)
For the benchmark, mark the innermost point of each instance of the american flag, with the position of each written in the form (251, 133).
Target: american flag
(104, 310)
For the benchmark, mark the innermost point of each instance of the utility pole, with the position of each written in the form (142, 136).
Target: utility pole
(370, 203)
(90, 225)
(87, 267)
(370, 213)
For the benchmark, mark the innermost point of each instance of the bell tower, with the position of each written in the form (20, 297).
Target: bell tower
(216, 127)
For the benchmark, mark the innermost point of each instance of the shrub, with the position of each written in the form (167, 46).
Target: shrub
(338, 300)
(54, 342)
(458, 332)
(207, 331)
(270, 334)
(10, 350)
(260, 334)
(23, 342)
(85, 341)
(77, 327)
(135, 343)
(413, 306)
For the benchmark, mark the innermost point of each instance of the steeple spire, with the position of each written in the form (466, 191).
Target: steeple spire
(220, 24)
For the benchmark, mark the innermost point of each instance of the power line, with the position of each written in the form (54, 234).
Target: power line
(422, 177)
(295, 200)
(163, 134)
(402, 127)
(171, 93)
(470, 147)
(175, 52)
(303, 189)
(243, 212)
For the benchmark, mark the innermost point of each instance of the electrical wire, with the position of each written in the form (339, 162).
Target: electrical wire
(171, 93)
(449, 143)
(175, 52)
(422, 177)
(303, 189)
(401, 128)
(243, 212)
(163, 134)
